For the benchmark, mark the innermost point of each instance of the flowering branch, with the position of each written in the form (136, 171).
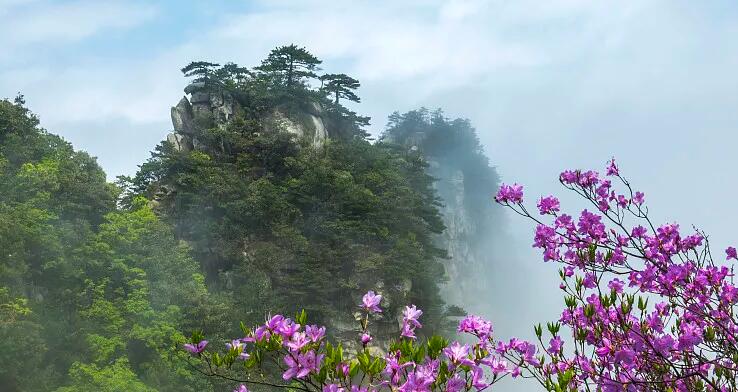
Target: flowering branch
(308, 362)
(686, 341)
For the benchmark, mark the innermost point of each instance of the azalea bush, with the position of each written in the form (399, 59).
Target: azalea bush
(647, 308)
(307, 362)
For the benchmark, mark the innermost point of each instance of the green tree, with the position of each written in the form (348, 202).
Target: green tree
(201, 71)
(290, 65)
(115, 377)
(91, 296)
(340, 86)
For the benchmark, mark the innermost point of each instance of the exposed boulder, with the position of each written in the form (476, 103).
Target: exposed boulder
(206, 108)
(310, 127)
(183, 118)
(180, 142)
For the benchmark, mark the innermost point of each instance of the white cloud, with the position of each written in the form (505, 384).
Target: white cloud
(67, 22)
(389, 40)
(430, 46)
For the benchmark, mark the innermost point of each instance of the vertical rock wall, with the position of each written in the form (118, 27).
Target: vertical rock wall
(467, 261)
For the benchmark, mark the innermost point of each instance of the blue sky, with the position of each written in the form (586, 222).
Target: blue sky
(548, 84)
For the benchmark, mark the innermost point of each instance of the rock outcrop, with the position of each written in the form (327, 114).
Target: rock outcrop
(310, 127)
(204, 109)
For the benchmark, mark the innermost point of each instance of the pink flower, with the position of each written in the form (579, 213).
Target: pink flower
(638, 198)
(298, 341)
(555, 345)
(458, 354)
(235, 345)
(299, 365)
(241, 388)
(729, 294)
(510, 194)
(568, 177)
(411, 314)
(196, 348)
(638, 232)
(343, 368)
(498, 366)
(731, 253)
(588, 178)
(455, 384)
(407, 331)
(478, 378)
(625, 357)
(274, 322)
(262, 333)
(605, 349)
(365, 338)
(410, 321)
(590, 280)
(476, 325)
(333, 388)
(616, 285)
(548, 205)
(238, 346)
(416, 383)
(568, 271)
(370, 302)
(393, 368)
(612, 169)
(315, 333)
(287, 328)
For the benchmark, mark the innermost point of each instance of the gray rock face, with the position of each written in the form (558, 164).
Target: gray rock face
(205, 109)
(279, 120)
(222, 108)
(180, 142)
(182, 117)
(216, 108)
(311, 128)
(320, 134)
(471, 241)
(459, 228)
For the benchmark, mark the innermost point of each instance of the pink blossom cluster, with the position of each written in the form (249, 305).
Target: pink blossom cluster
(647, 306)
(307, 361)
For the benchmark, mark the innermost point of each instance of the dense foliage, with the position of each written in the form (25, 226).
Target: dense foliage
(91, 297)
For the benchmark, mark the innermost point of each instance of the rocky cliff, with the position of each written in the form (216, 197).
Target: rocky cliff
(470, 256)
(203, 109)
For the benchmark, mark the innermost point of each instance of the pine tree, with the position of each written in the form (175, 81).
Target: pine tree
(290, 65)
(203, 71)
(340, 86)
